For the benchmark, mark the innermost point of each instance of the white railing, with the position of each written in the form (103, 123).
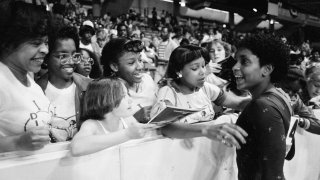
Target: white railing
(150, 158)
(153, 158)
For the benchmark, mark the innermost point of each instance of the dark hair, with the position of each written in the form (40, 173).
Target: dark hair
(101, 97)
(21, 22)
(62, 33)
(315, 49)
(270, 50)
(119, 29)
(183, 55)
(86, 29)
(296, 59)
(113, 50)
(295, 73)
(184, 41)
(312, 69)
(121, 25)
(96, 71)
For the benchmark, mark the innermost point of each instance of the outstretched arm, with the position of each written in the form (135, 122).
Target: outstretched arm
(308, 120)
(230, 100)
(229, 134)
(88, 140)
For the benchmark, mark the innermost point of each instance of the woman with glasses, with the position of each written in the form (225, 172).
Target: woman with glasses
(89, 65)
(61, 84)
(24, 109)
(121, 57)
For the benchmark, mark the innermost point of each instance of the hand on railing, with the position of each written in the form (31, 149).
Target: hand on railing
(229, 134)
(35, 138)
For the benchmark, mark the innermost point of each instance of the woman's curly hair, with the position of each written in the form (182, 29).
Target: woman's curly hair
(270, 50)
(21, 22)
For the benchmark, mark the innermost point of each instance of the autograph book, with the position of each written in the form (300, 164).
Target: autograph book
(171, 114)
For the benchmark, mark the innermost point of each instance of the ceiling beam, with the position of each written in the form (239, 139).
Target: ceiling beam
(313, 2)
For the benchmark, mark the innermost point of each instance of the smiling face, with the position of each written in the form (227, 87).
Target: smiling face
(217, 52)
(315, 56)
(62, 46)
(247, 70)
(130, 67)
(193, 74)
(29, 56)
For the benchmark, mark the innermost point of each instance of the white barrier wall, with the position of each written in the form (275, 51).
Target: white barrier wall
(153, 158)
(305, 165)
(156, 159)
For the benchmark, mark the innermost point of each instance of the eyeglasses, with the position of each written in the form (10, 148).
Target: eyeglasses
(133, 46)
(87, 60)
(67, 58)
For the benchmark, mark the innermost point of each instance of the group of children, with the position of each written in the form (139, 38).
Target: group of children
(114, 108)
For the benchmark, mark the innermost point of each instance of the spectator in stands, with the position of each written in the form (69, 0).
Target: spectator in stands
(86, 32)
(178, 34)
(293, 84)
(311, 95)
(24, 109)
(136, 30)
(184, 42)
(142, 35)
(61, 84)
(89, 66)
(315, 56)
(165, 48)
(154, 17)
(284, 39)
(219, 69)
(217, 34)
(121, 58)
(102, 39)
(122, 31)
(266, 118)
(103, 123)
(149, 50)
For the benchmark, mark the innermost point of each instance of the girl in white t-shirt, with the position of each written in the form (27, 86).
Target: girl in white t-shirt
(105, 104)
(185, 87)
(121, 58)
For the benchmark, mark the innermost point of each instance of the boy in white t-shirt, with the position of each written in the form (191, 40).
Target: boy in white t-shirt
(62, 86)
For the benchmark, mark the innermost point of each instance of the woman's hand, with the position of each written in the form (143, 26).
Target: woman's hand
(229, 134)
(35, 138)
(213, 68)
